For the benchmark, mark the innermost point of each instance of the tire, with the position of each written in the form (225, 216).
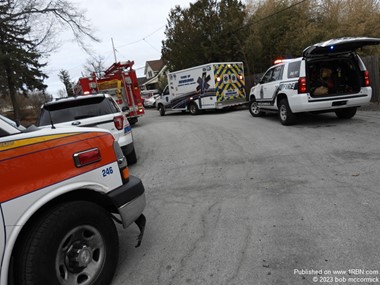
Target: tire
(161, 109)
(132, 158)
(346, 113)
(132, 121)
(285, 115)
(193, 109)
(254, 109)
(72, 243)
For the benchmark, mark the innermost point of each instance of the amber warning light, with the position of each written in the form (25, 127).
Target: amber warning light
(277, 61)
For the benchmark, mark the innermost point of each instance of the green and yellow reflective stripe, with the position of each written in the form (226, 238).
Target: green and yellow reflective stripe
(29, 141)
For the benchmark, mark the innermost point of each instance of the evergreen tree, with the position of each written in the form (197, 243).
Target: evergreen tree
(27, 31)
(64, 76)
(207, 31)
(19, 58)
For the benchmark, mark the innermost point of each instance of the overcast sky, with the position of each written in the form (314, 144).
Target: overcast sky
(136, 27)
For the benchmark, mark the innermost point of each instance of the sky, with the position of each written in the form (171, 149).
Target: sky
(135, 26)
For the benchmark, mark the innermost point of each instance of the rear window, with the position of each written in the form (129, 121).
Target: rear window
(294, 69)
(66, 111)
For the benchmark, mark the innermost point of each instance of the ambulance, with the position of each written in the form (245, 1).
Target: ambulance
(62, 191)
(211, 86)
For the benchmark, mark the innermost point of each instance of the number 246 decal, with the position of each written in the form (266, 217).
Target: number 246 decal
(107, 171)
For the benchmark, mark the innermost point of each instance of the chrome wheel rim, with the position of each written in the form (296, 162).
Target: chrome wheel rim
(81, 256)
(255, 108)
(283, 113)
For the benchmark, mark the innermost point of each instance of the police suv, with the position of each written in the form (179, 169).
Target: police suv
(98, 110)
(329, 77)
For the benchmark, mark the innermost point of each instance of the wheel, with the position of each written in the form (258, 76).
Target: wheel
(193, 108)
(285, 114)
(132, 121)
(254, 109)
(72, 243)
(132, 158)
(346, 113)
(161, 109)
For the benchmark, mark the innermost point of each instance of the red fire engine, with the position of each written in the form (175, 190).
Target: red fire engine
(120, 81)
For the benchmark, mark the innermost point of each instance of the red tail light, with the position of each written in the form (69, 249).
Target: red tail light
(366, 78)
(119, 122)
(302, 86)
(87, 157)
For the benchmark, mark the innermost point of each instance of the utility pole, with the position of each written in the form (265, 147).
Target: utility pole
(114, 50)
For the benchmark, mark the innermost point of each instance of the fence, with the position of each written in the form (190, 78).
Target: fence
(372, 64)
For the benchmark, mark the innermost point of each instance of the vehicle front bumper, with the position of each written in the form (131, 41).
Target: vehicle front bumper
(149, 103)
(129, 200)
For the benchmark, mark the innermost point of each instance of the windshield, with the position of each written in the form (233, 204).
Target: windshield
(12, 123)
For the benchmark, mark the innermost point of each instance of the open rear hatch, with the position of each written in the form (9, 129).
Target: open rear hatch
(340, 45)
(332, 67)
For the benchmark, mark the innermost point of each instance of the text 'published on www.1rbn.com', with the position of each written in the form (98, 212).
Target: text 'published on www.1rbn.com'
(353, 276)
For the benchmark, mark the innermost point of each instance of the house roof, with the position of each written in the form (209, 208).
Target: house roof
(141, 80)
(154, 79)
(155, 65)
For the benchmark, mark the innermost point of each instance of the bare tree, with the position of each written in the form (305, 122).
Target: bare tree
(95, 64)
(46, 17)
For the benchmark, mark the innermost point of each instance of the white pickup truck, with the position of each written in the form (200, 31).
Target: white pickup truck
(62, 189)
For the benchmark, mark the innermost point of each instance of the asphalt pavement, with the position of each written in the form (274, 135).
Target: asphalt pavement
(233, 199)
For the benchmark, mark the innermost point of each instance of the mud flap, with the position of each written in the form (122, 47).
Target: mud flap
(140, 222)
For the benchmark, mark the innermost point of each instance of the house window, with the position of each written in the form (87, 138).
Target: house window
(150, 75)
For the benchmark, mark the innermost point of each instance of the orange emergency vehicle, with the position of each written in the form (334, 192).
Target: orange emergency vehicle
(120, 81)
(61, 192)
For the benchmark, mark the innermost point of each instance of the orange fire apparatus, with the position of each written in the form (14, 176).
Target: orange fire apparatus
(120, 81)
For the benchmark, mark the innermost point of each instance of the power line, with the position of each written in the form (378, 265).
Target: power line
(143, 39)
(152, 46)
(278, 12)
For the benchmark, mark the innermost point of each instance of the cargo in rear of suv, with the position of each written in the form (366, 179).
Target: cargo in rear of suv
(99, 111)
(329, 77)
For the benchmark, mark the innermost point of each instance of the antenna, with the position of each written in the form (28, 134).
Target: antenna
(51, 120)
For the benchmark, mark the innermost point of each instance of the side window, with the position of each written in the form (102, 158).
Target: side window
(267, 76)
(166, 90)
(273, 74)
(103, 108)
(115, 108)
(277, 73)
(294, 69)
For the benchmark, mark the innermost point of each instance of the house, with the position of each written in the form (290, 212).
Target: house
(153, 70)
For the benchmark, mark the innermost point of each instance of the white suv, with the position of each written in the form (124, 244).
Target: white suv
(99, 111)
(329, 77)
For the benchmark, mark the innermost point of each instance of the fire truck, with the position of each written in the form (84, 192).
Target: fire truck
(120, 81)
